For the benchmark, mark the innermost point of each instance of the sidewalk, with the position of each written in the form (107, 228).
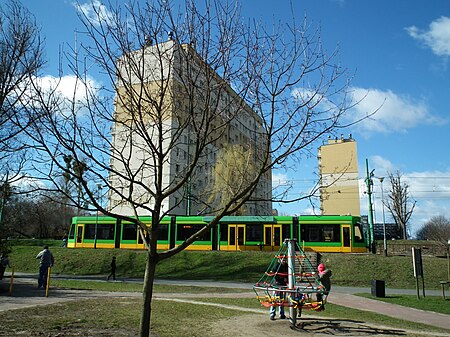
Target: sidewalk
(26, 294)
(392, 310)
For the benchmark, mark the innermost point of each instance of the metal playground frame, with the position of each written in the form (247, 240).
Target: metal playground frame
(303, 290)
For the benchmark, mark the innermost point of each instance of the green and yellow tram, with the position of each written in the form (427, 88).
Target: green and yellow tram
(233, 233)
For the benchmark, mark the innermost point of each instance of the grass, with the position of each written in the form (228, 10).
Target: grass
(348, 269)
(134, 287)
(120, 316)
(111, 317)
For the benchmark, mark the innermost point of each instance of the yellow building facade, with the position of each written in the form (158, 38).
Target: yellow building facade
(168, 96)
(338, 169)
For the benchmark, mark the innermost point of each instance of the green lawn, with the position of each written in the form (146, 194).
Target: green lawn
(348, 269)
(120, 317)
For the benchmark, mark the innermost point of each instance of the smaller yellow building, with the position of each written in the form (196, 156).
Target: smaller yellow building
(338, 169)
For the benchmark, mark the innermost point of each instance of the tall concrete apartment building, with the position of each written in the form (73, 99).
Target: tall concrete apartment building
(338, 169)
(171, 66)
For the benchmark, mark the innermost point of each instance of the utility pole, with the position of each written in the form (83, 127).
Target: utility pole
(5, 194)
(369, 184)
(384, 221)
(99, 188)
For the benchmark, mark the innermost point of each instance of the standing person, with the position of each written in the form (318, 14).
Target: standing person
(281, 281)
(4, 262)
(46, 260)
(113, 269)
(325, 279)
(64, 240)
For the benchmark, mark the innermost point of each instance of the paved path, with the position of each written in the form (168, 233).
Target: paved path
(26, 294)
(392, 310)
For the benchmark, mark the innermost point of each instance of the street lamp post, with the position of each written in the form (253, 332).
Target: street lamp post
(369, 183)
(99, 187)
(448, 260)
(384, 222)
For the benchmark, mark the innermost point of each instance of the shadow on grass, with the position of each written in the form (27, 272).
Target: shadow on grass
(342, 327)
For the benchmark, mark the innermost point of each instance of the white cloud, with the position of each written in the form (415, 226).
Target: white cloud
(437, 37)
(94, 11)
(309, 97)
(68, 87)
(66, 94)
(393, 112)
(382, 165)
(279, 180)
(27, 183)
(429, 189)
(429, 185)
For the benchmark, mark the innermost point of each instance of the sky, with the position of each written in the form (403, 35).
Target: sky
(397, 54)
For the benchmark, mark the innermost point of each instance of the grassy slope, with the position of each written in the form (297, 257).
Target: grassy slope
(348, 269)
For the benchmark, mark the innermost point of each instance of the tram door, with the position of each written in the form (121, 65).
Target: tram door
(236, 237)
(79, 236)
(346, 239)
(272, 236)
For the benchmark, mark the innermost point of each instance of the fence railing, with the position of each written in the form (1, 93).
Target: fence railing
(403, 247)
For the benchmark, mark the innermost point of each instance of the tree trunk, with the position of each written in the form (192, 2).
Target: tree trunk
(149, 277)
(403, 225)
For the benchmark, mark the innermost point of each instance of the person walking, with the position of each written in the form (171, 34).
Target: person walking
(113, 269)
(4, 262)
(64, 241)
(46, 260)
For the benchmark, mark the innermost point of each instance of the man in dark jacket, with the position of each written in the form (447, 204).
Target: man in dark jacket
(46, 260)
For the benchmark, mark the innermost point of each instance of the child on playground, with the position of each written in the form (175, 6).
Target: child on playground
(325, 280)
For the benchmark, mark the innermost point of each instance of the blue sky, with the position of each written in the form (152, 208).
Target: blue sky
(399, 54)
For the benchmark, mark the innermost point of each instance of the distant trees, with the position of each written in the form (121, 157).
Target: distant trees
(36, 216)
(399, 202)
(436, 229)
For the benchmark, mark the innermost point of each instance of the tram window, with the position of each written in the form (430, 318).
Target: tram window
(185, 231)
(254, 232)
(80, 234)
(286, 231)
(223, 232)
(329, 234)
(163, 232)
(72, 232)
(358, 233)
(105, 232)
(89, 231)
(129, 232)
(321, 233)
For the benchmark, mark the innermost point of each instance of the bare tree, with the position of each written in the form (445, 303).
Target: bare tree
(178, 81)
(20, 59)
(436, 229)
(399, 202)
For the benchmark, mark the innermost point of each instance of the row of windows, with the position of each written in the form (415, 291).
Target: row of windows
(254, 232)
(104, 231)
